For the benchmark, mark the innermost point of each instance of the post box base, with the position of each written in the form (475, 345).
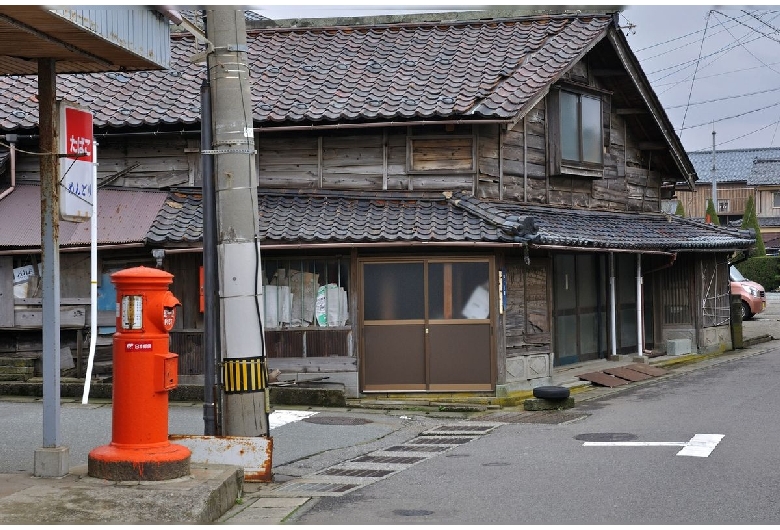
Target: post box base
(157, 463)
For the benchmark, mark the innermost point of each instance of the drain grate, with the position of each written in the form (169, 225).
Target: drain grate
(547, 417)
(341, 472)
(440, 440)
(417, 449)
(336, 420)
(315, 487)
(390, 459)
(460, 429)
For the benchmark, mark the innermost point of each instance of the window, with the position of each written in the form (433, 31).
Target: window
(723, 206)
(580, 125)
(304, 293)
(577, 133)
(776, 199)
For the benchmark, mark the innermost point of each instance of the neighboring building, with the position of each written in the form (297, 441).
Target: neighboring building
(449, 206)
(739, 174)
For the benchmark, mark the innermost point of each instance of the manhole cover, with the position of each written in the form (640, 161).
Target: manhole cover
(605, 437)
(335, 420)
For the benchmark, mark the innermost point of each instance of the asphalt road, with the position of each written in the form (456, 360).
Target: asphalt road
(766, 322)
(545, 474)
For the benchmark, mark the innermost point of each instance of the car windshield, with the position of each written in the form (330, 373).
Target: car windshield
(736, 276)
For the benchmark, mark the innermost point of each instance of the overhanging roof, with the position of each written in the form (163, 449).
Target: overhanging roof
(82, 40)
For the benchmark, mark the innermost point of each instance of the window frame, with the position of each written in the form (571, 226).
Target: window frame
(775, 197)
(557, 164)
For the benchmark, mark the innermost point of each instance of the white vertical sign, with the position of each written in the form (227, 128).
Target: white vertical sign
(76, 144)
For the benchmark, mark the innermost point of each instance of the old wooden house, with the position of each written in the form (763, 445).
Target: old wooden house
(443, 207)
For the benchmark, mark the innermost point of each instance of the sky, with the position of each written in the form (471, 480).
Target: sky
(713, 67)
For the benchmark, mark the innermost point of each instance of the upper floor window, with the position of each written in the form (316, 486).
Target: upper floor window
(776, 199)
(576, 125)
(580, 123)
(723, 206)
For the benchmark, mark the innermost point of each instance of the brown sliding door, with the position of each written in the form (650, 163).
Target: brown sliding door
(426, 325)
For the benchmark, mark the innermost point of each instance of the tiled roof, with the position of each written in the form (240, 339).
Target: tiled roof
(334, 217)
(293, 217)
(732, 165)
(481, 69)
(124, 216)
(627, 231)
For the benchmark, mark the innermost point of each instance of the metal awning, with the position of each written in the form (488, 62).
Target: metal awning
(83, 40)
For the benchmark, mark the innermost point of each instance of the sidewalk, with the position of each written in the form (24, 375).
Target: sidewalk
(209, 494)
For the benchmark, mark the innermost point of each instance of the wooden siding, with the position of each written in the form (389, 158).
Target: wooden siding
(695, 202)
(527, 315)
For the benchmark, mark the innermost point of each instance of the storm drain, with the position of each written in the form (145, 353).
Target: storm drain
(461, 429)
(339, 472)
(440, 440)
(418, 449)
(390, 459)
(553, 417)
(347, 476)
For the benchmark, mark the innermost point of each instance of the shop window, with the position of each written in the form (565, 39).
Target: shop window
(305, 293)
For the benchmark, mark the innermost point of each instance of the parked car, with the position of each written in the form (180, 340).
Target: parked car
(752, 294)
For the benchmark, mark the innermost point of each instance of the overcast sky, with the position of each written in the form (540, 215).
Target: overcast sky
(705, 63)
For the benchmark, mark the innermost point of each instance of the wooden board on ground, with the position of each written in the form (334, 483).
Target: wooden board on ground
(647, 369)
(624, 372)
(602, 379)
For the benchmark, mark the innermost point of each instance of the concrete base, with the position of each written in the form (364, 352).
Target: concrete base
(618, 358)
(116, 463)
(548, 404)
(641, 359)
(51, 462)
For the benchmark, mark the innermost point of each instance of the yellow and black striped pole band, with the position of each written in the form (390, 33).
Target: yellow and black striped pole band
(244, 375)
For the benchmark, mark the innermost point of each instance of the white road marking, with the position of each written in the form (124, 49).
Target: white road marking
(700, 445)
(282, 417)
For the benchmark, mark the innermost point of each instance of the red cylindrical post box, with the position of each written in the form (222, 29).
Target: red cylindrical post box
(144, 371)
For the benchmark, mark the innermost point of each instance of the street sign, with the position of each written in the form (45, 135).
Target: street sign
(700, 445)
(76, 166)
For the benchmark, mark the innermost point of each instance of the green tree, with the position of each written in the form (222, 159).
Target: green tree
(680, 210)
(750, 220)
(712, 215)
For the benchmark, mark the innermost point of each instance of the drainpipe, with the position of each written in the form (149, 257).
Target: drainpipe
(639, 309)
(11, 138)
(612, 308)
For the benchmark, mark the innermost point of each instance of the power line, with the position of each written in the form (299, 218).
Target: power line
(731, 117)
(736, 96)
(748, 51)
(690, 90)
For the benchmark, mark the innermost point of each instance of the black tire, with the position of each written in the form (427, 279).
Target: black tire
(551, 392)
(746, 314)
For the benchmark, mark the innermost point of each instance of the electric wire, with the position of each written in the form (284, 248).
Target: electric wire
(690, 90)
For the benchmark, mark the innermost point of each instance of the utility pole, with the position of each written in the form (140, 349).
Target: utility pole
(712, 172)
(242, 346)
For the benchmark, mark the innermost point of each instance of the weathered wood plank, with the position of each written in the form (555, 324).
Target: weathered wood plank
(313, 364)
(32, 318)
(6, 291)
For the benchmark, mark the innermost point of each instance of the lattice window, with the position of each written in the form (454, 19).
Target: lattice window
(715, 305)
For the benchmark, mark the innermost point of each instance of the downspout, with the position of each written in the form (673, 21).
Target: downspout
(640, 344)
(12, 148)
(612, 308)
